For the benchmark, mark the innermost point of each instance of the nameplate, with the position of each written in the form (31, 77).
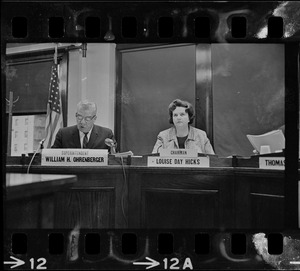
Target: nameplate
(178, 153)
(156, 161)
(74, 157)
(272, 162)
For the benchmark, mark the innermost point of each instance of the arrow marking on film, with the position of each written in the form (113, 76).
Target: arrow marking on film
(151, 264)
(295, 262)
(16, 263)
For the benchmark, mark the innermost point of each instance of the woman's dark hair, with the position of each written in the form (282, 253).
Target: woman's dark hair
(179, 103)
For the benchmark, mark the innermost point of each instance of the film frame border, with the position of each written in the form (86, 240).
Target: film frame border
(71, 21)
(150, 253)
(78, 33)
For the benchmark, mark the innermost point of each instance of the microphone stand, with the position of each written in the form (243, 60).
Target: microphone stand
(41, 146)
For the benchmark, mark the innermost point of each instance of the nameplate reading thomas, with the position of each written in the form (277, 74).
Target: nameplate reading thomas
(155, 161)
(74, 157)
(272, 162)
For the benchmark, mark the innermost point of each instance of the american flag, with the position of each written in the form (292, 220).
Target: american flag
(54, 119)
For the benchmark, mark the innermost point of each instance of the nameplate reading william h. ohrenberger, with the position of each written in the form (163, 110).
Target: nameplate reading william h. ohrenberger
(74, 157)
(272, 162)
(156, 161)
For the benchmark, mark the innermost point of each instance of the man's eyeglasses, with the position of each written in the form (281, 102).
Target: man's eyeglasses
(87, 119)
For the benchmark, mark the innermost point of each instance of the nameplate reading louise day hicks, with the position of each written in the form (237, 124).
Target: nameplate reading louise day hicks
(178, 162)
(74, 157)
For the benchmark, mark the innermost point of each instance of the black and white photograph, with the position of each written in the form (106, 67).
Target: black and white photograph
(141, 137)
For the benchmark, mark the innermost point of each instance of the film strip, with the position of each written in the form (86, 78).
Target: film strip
(126, 243)
(157, 249)
(158, 24)
(165, 28)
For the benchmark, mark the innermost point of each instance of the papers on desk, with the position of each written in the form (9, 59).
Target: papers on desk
(270, 142)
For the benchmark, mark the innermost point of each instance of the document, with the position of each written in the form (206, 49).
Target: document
(274, 139)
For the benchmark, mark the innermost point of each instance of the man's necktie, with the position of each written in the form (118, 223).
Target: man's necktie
(85, 141)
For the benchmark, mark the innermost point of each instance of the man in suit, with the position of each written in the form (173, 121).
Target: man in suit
(85, 134)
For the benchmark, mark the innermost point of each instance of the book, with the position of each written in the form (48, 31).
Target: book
(274, 139)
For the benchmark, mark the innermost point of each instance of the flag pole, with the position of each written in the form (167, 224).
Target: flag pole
(55, 54)
(83, 73)
(54, 108)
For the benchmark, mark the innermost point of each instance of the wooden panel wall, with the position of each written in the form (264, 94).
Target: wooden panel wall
(182, 199)
(214, 198)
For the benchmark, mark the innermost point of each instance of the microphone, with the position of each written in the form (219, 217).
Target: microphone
(111, 143)
(41, 146)
(42, 143)
(158, 148)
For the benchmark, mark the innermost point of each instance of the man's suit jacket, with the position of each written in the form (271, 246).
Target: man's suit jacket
(68, 137)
